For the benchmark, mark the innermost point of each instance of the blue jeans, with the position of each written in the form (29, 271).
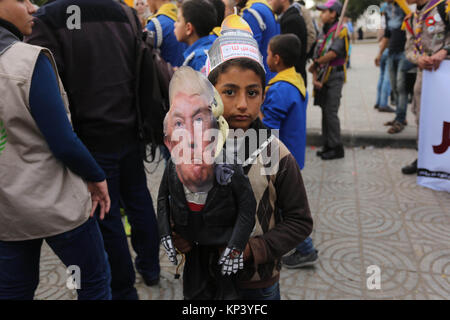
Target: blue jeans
(127, 186)
(384, 82)
(306, 247)
(270, 293)
(398, 83)
(82, 246)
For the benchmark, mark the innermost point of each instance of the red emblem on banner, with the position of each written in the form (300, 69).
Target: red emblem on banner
(429, 22)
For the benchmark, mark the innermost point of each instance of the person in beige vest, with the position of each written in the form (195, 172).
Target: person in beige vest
(49, 183)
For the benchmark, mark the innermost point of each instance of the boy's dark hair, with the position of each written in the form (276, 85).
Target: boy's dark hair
(201, 14)
(242, 63)
(220, 10)
(288, 47)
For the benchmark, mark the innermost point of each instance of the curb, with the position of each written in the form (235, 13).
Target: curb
(364, 139)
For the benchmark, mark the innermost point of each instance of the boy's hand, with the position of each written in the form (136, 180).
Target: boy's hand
(425, 63)
(247, 253)
(317, 85)
(99, 196)
(181, 244)
(438, 57)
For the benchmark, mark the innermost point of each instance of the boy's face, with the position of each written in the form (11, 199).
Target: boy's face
(19, 13)
(242, 95)
(180, 27)
(327, 16)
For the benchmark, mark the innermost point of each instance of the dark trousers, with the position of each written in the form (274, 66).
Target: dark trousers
(329, 99)
(81, 247)
(127, 186)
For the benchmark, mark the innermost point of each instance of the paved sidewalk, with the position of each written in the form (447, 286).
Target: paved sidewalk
(365, 213)
(361, 124)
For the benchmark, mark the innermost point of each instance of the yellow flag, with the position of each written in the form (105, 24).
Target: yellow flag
(402, 4)
(130, 3)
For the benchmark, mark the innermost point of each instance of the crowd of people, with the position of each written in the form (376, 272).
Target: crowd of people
(73, 158)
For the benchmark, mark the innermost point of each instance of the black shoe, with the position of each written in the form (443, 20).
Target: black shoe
(386, 109)
(376, 106)
(324, 149)
(411, 168)
(334, 153)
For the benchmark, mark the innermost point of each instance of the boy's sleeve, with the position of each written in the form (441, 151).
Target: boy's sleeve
(163, 206)
(254, 25)
(246, 201)
(275, 107)
(296, 224)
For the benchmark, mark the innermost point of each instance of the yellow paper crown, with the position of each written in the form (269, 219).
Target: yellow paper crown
(235, 22)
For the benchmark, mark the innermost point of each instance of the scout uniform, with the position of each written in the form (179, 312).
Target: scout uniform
(162, 24)
(428, 31)
(328, 98)
(261, 19)
(196, 54)
(284, 108)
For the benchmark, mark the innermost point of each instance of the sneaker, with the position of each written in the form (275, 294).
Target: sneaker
(296, 260)
(376, 106)
(410, 168)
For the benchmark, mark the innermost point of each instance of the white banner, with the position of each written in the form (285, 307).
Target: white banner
(434, 130)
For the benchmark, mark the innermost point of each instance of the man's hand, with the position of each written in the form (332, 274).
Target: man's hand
(317, 85)
(425, 63)
(99, 196)
(378, 60)
(181, 244)
(438, 57)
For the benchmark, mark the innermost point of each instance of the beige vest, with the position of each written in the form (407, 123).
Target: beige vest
(39, 196)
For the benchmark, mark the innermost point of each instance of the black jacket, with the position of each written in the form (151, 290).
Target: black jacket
(292, 22)
(227, 218)
(96, 64)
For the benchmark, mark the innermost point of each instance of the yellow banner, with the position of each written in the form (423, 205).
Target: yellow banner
(402, 4)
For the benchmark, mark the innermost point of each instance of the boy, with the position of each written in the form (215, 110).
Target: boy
(162, 24)
(328, 82)
(283, 217)
(284, 107)
(196, 19)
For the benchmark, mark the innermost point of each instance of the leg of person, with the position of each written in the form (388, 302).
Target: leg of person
(402, 97)
(115, 240)
(392, 73)
(412, 168)
(141, 215)
(386, 83)
(325, 147)
(304, 255)
(269, 293)
(333, 101)
(83, 248)
(19, 269)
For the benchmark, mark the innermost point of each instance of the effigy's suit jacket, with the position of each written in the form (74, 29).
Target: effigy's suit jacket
(227, 219)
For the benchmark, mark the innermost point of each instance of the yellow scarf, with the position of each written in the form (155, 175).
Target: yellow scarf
(251, 2)
(168, 9)
(291, 76)
(216, 31)
(402, 4)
